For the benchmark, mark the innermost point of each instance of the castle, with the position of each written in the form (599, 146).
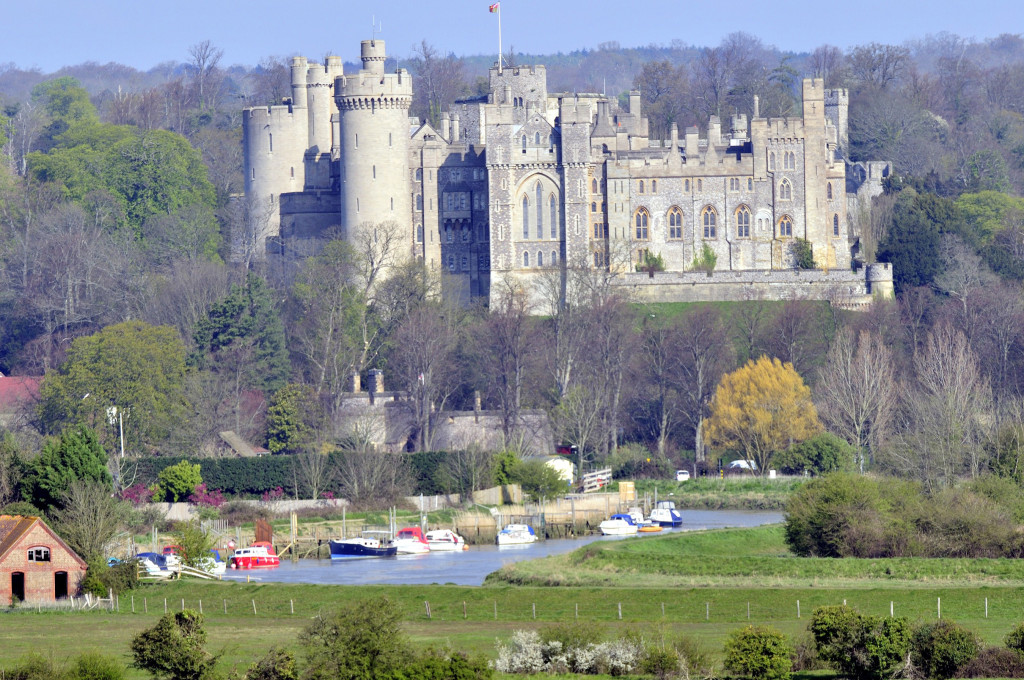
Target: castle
(521, 181)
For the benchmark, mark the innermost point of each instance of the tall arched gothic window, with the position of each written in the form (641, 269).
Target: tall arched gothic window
(526, 217)
(710, 219)
(785, 226)
(593, 186)
(828, 191)
(743, 222)
(835, 224)
(554, 216)
(675, 223)
(641, 221)
(540, 210)
(785, 190)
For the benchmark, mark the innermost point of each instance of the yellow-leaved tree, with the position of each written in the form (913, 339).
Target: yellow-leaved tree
(759, 409)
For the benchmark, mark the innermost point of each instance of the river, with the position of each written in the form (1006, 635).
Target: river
(470, 567)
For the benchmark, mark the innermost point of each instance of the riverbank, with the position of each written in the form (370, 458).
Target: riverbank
(734, 492)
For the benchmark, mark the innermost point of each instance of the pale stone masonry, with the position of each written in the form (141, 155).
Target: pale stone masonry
(521, 181)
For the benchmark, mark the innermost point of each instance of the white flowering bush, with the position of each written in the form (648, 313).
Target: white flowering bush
(527, 653)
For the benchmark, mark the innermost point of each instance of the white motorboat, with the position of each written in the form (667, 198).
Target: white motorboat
(516, 534)
(155, 566)
(637, 514)
(410, 541)
(618, 525)
(441, 540)
(666, 515)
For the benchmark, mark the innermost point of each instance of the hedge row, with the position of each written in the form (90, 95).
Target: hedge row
(252, 477)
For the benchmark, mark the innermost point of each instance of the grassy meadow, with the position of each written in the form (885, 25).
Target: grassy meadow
(701, 585)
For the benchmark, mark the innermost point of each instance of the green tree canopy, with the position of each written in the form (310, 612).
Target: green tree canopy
(912, 244)
(293, 417)
(177, 482)
(75, 456)
(134, 367)
(243, 332)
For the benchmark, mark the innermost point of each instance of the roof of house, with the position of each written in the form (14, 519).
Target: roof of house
(240, 446)
(18, 390)
(14, 527)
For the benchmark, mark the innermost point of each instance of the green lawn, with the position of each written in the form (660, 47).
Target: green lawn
(761, 578)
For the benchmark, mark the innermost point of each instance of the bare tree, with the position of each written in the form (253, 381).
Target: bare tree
(942, 437)
(858, 391)
(314, 471)
(440, 80)
(704, 354)
(89, 518)
(205, 73)
(505, 341)
(468, 468)
(372, 479)
(656, 397)
(422, 364)
(184, 294)
(878, 65)
(827, 62)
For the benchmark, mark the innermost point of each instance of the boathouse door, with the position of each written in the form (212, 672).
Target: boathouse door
(18, 587)
(60, 585)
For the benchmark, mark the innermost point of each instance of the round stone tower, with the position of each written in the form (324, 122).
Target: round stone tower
(374, 126)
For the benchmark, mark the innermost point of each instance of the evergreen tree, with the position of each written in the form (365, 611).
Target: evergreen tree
(75, 456)
(244, 324)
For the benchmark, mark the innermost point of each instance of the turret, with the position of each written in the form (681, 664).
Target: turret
(374, 141)
(300, 67)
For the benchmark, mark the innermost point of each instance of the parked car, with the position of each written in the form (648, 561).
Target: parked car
(682, 475)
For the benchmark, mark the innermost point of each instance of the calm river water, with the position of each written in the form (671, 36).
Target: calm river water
(469, 567)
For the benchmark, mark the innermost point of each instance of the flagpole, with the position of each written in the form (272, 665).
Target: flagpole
(499, 38)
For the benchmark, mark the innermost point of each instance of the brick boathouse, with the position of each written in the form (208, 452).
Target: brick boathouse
(35, 564)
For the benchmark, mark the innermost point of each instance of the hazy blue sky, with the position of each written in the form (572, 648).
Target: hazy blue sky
(144, 33)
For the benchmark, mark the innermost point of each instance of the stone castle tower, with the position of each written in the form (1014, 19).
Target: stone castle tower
(373, 141)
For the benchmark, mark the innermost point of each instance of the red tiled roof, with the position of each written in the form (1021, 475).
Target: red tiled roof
(18, 390)
(13, 528)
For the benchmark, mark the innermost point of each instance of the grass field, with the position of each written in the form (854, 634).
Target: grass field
(471, 618)
(730, 493)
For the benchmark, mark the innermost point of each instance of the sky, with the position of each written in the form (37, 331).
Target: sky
(143, 34)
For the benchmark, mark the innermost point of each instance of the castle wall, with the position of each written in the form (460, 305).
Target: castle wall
(274, 142)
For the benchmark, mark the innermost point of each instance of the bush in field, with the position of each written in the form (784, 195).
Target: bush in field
(1015, 639)
(175, 648)
(177, 482)
(527, 653)
(862, 647)
(277, 664)
(446, 665)
(821, 454)
(993, 662)
(361, 641)
(759, 653)
(95, 666)
(939, 649)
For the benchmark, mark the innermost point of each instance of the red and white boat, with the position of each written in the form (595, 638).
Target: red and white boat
(410, 541)
(445, 539)
(259, 555)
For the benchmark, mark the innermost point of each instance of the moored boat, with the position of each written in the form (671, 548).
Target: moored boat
(666, 515)
(259, 555)
(620, 524)
(410, 541)
(363, 546)
(441, 540)
(155, 565)
(649, 528)
(516, 534)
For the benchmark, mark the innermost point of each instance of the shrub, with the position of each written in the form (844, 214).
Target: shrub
(803, 253)
(523, 654)
(705, 261)
(445, 666)
(177, 482)
(137, 494)
(860, 646)
(993, 662)
(939, 649)
(95, 666)
(277, 664)
(175, 648)
(201, 496)
(364, 639)
(821, 454)
(758, 652)
(1015, 639)
(36, 667)
(661, 663)
(573, 635)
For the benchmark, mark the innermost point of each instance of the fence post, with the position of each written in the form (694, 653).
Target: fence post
(133, 603)
(662, 610)
(534, 610)
(182, 604)
(577, 610)
(464, 609)
(620, 610)
(254, 607)
(986, 607)
(225, 606)
(165, 605)
(707, 611)
(891, 609)
(938, 606)
(748, 611)
(427, 606)
(495, 610)
(145, 604)
(798, 609)
(292, 604)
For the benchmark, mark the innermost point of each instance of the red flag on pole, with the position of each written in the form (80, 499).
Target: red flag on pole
(494, 8)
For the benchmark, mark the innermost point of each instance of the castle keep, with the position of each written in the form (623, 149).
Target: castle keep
(520, 181)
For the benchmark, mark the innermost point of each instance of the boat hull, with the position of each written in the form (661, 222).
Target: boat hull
(617, 529)
(345, 550)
